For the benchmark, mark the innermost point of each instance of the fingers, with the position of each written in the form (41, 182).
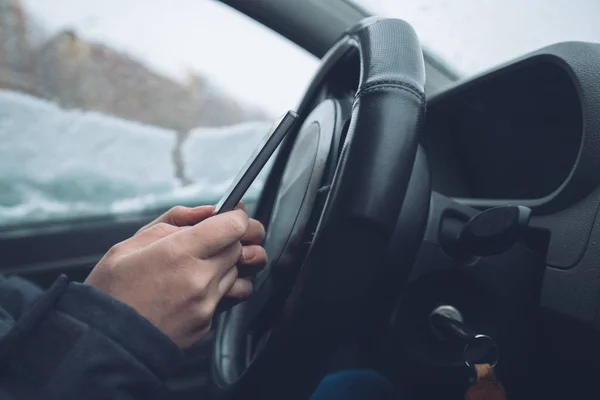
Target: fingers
(253, 254)
(226, 259)
(212, 235)
(255, 233)
(240, 289)
(242, 206)
(182, 216)
(227, 281)
(256, 230)
(150, 235)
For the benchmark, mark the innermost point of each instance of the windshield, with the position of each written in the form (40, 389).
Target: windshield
(473, 35)
(123, 106)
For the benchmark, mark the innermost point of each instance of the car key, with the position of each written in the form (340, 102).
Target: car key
(480, 353)
(478, 348)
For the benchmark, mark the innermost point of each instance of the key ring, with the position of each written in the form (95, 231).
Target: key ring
(484, 351)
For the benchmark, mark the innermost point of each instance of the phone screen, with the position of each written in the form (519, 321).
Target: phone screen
(256, 162)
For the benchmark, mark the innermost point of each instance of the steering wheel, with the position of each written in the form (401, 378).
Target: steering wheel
(334, 204)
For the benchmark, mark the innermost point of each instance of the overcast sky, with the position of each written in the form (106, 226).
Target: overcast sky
(258, 66)
(473, 35)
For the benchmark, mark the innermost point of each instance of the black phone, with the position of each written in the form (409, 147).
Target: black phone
(256, 163)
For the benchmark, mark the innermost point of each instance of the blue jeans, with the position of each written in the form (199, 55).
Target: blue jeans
(355, 385)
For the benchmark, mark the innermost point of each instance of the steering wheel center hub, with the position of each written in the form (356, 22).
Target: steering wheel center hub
(300, 183)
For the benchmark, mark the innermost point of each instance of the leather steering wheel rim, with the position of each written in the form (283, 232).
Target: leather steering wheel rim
(337, 285)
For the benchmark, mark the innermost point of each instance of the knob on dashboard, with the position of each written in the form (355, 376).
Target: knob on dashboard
(487, 233)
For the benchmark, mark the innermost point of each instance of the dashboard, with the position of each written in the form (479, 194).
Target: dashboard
(526, 133)
(514, 134)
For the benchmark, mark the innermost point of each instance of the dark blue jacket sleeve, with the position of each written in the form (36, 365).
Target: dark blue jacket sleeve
(74, 342)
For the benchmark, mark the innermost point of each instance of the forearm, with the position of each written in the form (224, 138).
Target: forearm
(77, 343)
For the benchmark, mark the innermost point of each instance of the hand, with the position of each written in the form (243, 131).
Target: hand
(253, 257)
(175, 276)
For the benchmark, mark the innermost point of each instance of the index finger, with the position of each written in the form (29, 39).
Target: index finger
(182, 216)
(242, 207)
(214, 234)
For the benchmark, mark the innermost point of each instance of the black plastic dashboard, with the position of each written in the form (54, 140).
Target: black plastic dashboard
(526, 133)
(514, 134)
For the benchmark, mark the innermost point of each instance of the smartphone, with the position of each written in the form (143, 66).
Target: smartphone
(257, 161)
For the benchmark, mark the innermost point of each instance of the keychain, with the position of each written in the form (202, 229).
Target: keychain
(485, 385)
(481, 352)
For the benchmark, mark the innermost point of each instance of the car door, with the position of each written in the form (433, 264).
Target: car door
(112, 113)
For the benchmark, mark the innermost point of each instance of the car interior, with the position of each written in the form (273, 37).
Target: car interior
(427, 202)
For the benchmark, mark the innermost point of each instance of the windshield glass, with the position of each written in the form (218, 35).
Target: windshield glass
(120, 106)
(473, 35)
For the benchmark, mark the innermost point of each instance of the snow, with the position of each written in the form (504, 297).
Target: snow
(214, 157)
(60, 164)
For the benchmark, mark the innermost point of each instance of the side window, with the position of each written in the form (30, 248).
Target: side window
(158, 103)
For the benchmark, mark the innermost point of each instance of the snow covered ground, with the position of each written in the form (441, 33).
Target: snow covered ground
(59, 164)
(212, 157)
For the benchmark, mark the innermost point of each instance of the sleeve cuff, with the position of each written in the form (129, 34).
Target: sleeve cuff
(123, 325)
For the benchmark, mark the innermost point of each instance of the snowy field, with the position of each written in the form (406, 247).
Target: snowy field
(59, 164)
